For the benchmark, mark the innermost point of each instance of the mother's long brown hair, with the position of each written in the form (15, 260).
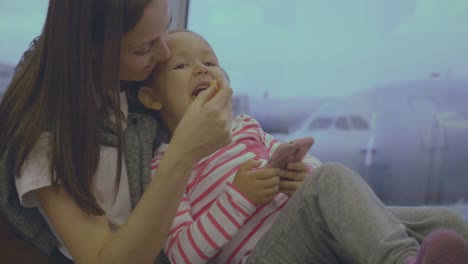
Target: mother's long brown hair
(66, 84)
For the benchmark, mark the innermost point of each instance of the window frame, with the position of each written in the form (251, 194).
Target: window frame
(179, 11)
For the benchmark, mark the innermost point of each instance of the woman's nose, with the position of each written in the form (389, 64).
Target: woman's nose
(161, 50)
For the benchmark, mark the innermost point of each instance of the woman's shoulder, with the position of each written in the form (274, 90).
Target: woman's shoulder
(27, 223)
(35, 172)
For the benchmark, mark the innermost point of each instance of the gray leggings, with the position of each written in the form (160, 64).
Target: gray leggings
(336, 218)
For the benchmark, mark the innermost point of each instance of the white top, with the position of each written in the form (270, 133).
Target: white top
(35, 174)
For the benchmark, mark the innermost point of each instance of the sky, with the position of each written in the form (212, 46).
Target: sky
(333, 48)
(301, 48)
(20, 22)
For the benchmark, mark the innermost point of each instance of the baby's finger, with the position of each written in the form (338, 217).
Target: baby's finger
(271, 182)
(264, 174)
(271, 191)
(293, 175)
(297, 166)
(289, 185)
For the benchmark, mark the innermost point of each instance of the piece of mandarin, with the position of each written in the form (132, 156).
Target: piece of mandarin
(212, 82)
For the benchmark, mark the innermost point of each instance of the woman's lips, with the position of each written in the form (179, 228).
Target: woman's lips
(148, 68)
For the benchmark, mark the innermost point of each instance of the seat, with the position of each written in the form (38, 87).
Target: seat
(14, 250)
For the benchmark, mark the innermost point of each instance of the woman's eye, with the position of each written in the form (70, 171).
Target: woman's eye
(144, 51)
(180, 66)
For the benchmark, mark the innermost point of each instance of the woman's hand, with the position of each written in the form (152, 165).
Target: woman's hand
(206, 125)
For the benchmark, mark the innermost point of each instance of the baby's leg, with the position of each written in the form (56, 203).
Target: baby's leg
(335, 218)
(442, 246)
(422, 220)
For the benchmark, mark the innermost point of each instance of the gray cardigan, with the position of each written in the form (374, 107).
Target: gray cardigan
(141, 138)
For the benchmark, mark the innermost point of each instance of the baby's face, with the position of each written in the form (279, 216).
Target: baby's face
(188, 71)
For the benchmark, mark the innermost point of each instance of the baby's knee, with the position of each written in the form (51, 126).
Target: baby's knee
(331, 174)
(453, 217)
(334, 171)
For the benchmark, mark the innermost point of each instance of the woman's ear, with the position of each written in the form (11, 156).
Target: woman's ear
(148, 99)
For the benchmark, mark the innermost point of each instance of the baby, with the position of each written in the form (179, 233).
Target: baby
(231, 200)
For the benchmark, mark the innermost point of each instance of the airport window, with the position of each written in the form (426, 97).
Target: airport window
(342, 123)
(359, 123)
(4, 74)
(321, 123)
(20, 23)
(370, 56)
(287, 60)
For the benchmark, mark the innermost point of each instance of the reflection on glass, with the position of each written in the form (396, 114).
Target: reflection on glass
(342, 123)
(321, 123)
(381, 85)
(359, 123)
(20, 23)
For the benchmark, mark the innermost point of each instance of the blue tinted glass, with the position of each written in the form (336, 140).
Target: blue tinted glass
(20, 23)
(398, 69)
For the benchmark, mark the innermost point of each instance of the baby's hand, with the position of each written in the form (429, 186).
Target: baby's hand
(258, 185)
(292, 177)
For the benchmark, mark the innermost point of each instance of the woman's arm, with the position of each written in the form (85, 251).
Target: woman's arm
(89, 238)
(203, 129)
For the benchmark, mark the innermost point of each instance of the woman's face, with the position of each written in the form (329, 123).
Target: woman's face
(145, 44)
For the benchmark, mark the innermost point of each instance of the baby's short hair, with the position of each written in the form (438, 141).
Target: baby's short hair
(226, 75)
(172, 31)
(190, 31)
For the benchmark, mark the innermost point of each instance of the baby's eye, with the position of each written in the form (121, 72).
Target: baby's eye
(210, 64)
(180, 66)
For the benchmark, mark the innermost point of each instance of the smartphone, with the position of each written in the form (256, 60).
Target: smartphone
(290, 151)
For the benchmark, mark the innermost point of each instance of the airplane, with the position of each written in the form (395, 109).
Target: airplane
(278, 116)
(408, 140)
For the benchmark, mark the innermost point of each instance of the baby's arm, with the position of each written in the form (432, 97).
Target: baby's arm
(311, 162)
(197, 238)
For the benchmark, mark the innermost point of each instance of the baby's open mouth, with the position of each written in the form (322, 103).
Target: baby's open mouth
(199, 89)
(202, 87)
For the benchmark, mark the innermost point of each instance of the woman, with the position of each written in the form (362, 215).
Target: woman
(63, 150)
(57, 115)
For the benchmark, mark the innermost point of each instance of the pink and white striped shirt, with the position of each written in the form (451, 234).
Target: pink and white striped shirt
(214, 220)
